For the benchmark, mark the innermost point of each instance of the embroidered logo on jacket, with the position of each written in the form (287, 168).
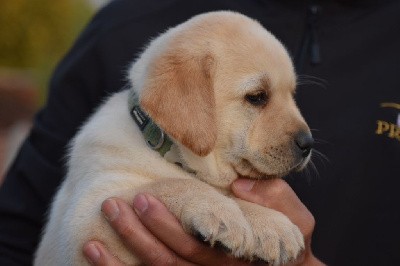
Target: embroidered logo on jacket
(390, 129)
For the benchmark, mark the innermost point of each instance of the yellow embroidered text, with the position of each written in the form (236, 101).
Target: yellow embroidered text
(389, 129)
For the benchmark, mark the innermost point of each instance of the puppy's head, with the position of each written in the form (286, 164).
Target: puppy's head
(222, 86)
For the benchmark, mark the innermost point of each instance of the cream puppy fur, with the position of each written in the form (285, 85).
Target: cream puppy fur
(221, 87)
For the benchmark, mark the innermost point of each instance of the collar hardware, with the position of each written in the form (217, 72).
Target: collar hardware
(140, 117)
(157, 136)
(154, 136)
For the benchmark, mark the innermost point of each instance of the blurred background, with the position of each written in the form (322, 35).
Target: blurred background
(34, 36)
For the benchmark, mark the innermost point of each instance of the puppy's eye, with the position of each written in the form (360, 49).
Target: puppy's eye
(257, 99)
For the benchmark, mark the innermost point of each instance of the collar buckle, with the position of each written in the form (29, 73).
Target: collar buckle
(154, 136)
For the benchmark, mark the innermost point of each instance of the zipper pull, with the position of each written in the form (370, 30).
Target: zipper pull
(313, 16)
(309, 45)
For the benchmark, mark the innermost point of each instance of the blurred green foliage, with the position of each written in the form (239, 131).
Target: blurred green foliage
(35, 34)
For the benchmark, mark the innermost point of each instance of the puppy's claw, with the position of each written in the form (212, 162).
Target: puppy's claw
(222, 247)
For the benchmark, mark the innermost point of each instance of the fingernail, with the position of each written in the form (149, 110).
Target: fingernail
(140, 203)
(244, 184)
(92, 253)
(110, 209)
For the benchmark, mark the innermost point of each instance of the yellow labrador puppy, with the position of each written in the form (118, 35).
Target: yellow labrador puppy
(211, 100)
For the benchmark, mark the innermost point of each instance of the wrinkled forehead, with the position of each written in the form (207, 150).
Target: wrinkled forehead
(257, 58)
(262, 70)
(263, 81)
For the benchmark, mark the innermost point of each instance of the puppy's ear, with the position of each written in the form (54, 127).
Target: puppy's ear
(179, 97)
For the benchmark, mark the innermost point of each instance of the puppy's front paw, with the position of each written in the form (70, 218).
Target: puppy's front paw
(276, 239)
(221, 223)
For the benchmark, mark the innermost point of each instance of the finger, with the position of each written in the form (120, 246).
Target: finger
(264, 192)
(135, 235)
(167, 228)
(278, 195)
(274, 193)
(98, 255)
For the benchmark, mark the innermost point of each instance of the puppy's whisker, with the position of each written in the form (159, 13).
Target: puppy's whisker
(322, 157)
(307, 172)
(307, 81)
(311, 80)
(311, 77)
(311, 167)
(304, 83)
(310, 172)
(321, 141)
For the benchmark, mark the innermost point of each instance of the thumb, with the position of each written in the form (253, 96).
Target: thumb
(263, 192)
(278, 195)
(246, 189)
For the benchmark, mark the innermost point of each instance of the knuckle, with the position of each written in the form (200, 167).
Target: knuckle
(311, 220)
(163, 259)
(125, 230)
(311, 224)
(278, 188)
(190, 250)
(171, 260)
(307, 224)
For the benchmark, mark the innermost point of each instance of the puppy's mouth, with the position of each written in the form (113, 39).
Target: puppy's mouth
(245, 169)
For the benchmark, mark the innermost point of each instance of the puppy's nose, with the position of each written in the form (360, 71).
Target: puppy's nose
(304, 141)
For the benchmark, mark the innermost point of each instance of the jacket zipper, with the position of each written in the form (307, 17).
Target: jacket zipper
(310, 44)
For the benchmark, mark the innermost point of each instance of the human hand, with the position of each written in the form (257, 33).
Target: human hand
(154, 235)
(157, 238)
(278, 195)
